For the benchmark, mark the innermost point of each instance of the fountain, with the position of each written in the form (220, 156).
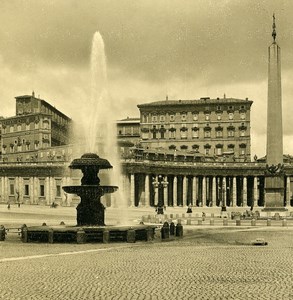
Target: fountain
(90, 210)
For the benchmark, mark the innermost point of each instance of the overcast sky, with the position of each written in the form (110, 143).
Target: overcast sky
(183, 49)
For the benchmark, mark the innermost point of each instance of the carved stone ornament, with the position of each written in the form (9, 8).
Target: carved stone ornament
(274, 170)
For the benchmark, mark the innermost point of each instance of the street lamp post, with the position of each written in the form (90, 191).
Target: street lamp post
(161, 183)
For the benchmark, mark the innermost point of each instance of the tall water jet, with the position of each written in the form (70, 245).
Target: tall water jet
(101, 132)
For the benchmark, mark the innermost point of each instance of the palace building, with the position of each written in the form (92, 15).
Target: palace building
(213, 127)
(36, 128)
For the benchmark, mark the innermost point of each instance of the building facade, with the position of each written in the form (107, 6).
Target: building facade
(213, 127)
(36, 126)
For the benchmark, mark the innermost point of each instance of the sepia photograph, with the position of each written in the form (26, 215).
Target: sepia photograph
(146, 149)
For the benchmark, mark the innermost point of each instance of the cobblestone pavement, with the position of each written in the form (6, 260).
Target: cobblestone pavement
(208, 263)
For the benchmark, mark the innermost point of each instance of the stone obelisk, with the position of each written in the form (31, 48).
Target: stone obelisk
(274, 181)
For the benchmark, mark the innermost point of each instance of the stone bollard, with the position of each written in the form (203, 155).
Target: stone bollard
(212, 222)
(24, 235)
(106, 236)
(172, 228)
(149, 234)
(284, 222)
(269, 222)
(188, 221)
(130, 236)
(165, 231)
(2, 233)
(179, 230)
(253, 222)
(171, 216)
(199, 222)
(50, 236)
(238, 222)
(80, 236)
(225, 222)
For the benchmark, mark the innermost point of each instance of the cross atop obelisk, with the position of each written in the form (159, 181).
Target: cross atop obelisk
(274, 33)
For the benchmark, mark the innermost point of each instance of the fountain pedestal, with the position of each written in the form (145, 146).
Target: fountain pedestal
(90, 211)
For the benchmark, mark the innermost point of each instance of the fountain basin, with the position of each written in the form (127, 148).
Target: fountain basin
(97, 190)
(87, 234)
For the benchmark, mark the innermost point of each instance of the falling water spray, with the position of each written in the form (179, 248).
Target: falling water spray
(101, 132)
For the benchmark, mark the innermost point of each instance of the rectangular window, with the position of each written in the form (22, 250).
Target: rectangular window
(183, 117)
(172, 118)
(195, 117)
(195, 134)
(207, 117)
(184, 134)
(242, 133)
(58, 190)
(154, 118)
(219, 151)
(231, 116)
(219, 116)
(219, 133)
(231, 133)
(207, 134)
(207, 151)
(26, 190)
(11, 189)
(42, 190)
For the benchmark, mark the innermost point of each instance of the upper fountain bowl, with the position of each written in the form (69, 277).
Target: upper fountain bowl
(90, 159)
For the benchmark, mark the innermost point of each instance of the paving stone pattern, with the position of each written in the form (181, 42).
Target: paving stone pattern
(205, 264)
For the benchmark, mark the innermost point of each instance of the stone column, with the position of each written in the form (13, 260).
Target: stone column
(132, 191)
(255, 192)
(204, 192)
(36, 190)
(184, 191)
(224, 194)
(165, 193)
(288, 192)
(244, 198)
(194, 190)
(234, 193)
(32, 189)
(21, 189)
(52, 187)
(6, 189)
(3, 189)
(47, 190)
(214, 191)
(175, 190)
(147, 190)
